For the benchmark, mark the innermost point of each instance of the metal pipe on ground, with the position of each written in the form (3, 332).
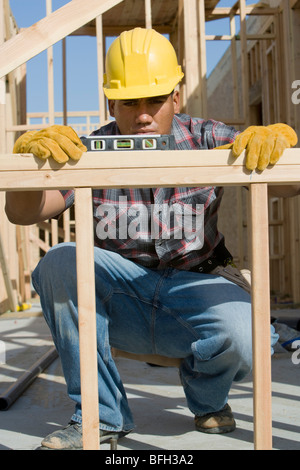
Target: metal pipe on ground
(16, 389)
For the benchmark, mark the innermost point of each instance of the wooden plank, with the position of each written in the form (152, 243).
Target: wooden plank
(100, 40)
(192, 59)
(12, 302)
(146, 159)
(202, 58)
(87, 318)
(154, 174)
(137, 177)
(148, 14)
(234, 71)
(294, 246)
(2, 85)
(51, 29)
(286, 62)
(50, 71)
(244, 62)
(261, 317)
(228, 37)
(222, 12)
(64, 81)
(4, 257)
(163, 169)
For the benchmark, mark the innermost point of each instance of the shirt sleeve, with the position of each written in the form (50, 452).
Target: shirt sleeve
(223, 134)
(196, 133)
(215, 133)
(68, 196)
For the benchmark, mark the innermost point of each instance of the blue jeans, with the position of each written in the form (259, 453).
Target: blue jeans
(202, 318)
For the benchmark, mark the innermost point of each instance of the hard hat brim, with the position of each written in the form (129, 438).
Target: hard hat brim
(137, 92)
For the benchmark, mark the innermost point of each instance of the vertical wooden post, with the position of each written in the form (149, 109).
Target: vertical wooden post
(181, 53)
(64, 79)
(2, 87)
(66, 225)
(87, 317)
(244, 62)
(12, 303)
(100, 62)
(287, 58)
(202, 59)
(192, 66)
(261, 317)
(3, 260)
(294, 244)
(234, 67)
(148, 14)
(51, 113)
(50, 73)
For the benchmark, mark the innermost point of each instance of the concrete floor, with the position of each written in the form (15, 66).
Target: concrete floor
(163, 421)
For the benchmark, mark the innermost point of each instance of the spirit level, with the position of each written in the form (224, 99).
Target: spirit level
(129, 142)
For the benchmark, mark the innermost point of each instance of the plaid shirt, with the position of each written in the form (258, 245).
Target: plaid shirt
(154, 238)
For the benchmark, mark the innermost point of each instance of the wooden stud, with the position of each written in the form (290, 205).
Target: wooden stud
(64, 81)
(2, 86)
(254, 10)
(4, 262)
(100, 62)
(192, 67)
(148, 14)
(50, 73)
(181, 53)
(66, 224)
(244, 62)
(261, 317)
(87, 318)
(12, 302)
(286, 43)
(234, 68)
(202, 58)
(294, 244)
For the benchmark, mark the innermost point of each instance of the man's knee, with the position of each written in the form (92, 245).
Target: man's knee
(58, 264)
(229, 345)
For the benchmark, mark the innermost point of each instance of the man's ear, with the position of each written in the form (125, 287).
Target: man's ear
(111, 107)
(176, 101)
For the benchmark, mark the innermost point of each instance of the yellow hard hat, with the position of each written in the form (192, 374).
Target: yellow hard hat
(140, 63)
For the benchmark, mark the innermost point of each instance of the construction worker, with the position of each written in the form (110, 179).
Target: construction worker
(159, 294)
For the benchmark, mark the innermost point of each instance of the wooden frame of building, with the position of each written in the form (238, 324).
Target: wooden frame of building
(160, 170)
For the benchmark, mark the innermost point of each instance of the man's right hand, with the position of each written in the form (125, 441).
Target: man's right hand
(58, 142)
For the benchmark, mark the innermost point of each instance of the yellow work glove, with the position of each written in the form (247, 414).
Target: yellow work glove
(59, 142)
(264, 145)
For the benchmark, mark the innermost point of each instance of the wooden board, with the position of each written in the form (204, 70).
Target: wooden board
(127, 169)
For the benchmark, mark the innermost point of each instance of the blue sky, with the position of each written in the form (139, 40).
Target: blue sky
(82, 86)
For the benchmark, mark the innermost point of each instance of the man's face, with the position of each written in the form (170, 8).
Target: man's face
(146, 115)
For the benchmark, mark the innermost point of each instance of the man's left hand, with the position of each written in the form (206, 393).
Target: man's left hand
(264, 145)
